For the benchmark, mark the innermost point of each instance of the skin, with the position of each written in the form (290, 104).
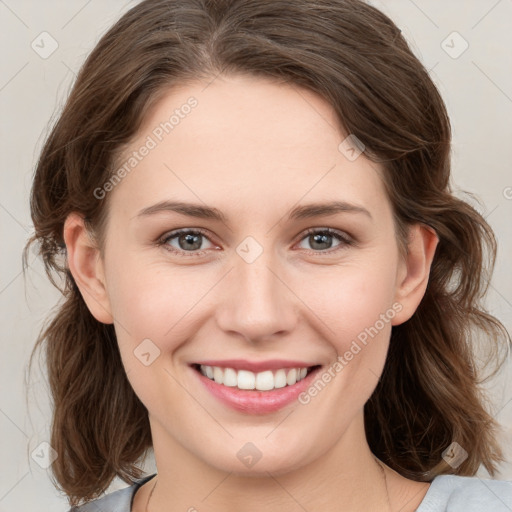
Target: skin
(254, 149)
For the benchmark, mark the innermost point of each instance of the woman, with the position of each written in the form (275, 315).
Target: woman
(267, 278)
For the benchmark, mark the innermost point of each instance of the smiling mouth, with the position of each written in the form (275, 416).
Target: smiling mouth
(246, 380)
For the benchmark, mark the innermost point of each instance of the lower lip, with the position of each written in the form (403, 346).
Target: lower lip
(254, 401)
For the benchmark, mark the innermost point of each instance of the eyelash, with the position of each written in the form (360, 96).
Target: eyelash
(346, 241)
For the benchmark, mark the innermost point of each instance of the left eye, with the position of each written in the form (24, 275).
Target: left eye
(190, 241)
(319, 237)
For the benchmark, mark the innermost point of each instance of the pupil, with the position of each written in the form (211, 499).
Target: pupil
(190, 239)
(320, 238)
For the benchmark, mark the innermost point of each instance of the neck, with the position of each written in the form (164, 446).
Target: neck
(347, 476)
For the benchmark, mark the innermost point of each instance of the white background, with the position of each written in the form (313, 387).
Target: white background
(477, 87)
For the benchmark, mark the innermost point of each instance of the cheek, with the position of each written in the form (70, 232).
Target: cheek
(356, 310)
(149, 300)
(351, 299)
(359, 314)
(153, 310)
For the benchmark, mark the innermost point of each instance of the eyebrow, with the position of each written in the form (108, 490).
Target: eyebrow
(205, 212)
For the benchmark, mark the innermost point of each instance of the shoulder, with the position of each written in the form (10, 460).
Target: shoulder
(452, 493)
(117, 501)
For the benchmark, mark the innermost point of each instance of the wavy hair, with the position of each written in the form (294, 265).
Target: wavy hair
(353, 56)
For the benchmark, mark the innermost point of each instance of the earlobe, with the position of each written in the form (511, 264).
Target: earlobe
(86, 266)
(413, 278)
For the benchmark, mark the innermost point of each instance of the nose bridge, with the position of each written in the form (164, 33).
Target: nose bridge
(257, 302)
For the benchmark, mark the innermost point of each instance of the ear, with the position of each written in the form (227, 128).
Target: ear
(414, 271)
(86, 266)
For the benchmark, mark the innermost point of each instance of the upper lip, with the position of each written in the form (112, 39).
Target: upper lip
(256, 366)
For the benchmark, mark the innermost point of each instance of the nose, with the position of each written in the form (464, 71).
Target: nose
(258, 304)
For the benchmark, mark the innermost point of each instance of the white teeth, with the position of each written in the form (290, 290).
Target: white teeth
(218, 375)
(280, 379)
(246, 380)
(292, 377)
(262, 381)
(230, 378)
(265, 381)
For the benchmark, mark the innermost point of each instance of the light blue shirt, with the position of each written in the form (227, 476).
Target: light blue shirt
(447, 493)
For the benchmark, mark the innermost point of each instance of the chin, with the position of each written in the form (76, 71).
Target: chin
(260, 459)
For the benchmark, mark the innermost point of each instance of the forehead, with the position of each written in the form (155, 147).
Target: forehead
(244, 142)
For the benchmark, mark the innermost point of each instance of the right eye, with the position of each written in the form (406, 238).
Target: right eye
(187, 240)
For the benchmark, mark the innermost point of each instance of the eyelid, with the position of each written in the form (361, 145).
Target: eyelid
(343, 237)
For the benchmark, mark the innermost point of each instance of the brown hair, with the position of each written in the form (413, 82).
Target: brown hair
(356, 59)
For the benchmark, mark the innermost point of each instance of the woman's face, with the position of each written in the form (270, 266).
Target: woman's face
(250, 288)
